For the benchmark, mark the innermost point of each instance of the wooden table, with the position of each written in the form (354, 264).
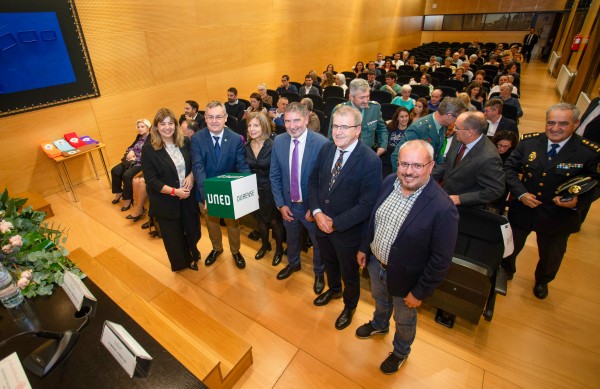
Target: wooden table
(61, 167)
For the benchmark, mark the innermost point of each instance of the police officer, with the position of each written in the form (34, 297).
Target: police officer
(372, 122)
(546, 160)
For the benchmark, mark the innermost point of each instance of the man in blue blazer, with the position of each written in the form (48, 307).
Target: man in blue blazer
(343, 189)
(218, 150)
(408, 247)
(292, 161)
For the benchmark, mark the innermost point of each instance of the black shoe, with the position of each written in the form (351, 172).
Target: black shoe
(254, 235)
(115, 201)
(123, 209)
(319, 284)
(277, 257)
(367, 330)
(345, 318)
(212, 257)
(263, 250)
(287, 271)
(325, 298)
(392, 363)
(138, 217)
(222, 222)
(540, 290)
(239, 260)
(146, 225)
(193, 265)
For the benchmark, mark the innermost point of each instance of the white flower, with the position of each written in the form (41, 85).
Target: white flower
(26, 274)
(22, 283)
(5, 226)
(16, 241)
(7, 249)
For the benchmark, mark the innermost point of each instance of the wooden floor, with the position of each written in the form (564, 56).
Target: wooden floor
(530, 343)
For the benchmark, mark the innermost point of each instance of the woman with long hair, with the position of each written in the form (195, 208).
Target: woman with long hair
(396, 128)
(419, 110)
(327, 80)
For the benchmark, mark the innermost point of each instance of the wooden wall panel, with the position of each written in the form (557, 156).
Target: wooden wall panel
(485, 6)
(469, 36)
(159, 53)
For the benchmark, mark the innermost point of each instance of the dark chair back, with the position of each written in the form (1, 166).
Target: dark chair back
(245, 102)
(274, 95)
(330, 104)
(446, 71)
(232, 122)
(321, 117)
(510, 111)
(381, 96)
(447, 91)
(456, 84)
(402, 80)
(349, 76)
(387, 111)
(420, 90)
(317, 101)
(333, 91)
(298, 85)
(292, 97)
(381, 78)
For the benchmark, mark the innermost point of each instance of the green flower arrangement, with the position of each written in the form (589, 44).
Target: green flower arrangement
(31, 249)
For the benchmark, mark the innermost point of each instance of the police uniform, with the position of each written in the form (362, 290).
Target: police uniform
(540, 176)
(372, 124)
(425, 129)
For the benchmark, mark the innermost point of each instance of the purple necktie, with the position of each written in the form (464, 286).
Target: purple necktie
(295, 182)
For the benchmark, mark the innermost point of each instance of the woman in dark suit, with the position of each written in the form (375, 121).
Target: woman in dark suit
(167, 167)
(258, 155)
(123, 173)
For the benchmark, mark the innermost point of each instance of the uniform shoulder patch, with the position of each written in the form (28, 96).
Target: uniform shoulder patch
(374, 103)
(595, 147)
(531, 135)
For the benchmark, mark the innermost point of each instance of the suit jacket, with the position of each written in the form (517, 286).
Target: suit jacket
(159, 170)
(204, 161)
(592, 130)
(313, 91)
(507, 124)
(478, 179)
(540, 177)
(351, 198)
(372, 124)
(534, 40)
(280, 167)
(376, 85)
(422, 251)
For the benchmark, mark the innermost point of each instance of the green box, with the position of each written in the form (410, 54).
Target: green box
(231, 195)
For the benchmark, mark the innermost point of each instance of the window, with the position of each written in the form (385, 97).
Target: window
(519, 21)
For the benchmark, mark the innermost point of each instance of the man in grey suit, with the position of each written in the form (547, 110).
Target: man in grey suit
(308, 88)
(472, 170)
(293, 159)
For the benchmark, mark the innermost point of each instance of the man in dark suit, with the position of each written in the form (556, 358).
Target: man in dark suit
(373, 83)
(590, 122)
(496, 122)
(472, 170)
(408, 247)
(234, 107)
(529, 42)
(546, 160)
(293, 159)
(190, 110)
(342, 190)
(218, 150)
(308, 88)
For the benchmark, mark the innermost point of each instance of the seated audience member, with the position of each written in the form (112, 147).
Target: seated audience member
(380, 60)
(419, 110)
(434, 100)
(397, 61)
(373, 83)
(474, 44)
(396, 127)
(496, 122)
(359, 68)
(190, 111)
(404, 100)
(506, 142)
(277, 113)
(189, 127)
(511, 70)
(340, 80)
(466, 100)
(459, 76)
(314, 123)
(233, 106)
(387, 66)
(448, 64)
(475, 92)
(390, 84)
(467, 73)
(514, 49)
(456, 61)
(315, 80)
(505, 96)
(518, 57)
(493, 60)
(286, 86)
(258, 155)
(330, 69)
(448, 53)
(308, 88)
(412, 62)
(502, 80)
(506, 59)
(256, 105)
(327, 80)
(433, 63)
(425, 80)
(372, 66)
(405, 56)
(473, 59)
(130, 165)
(264, 97)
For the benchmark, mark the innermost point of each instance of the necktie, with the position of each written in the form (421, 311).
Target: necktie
(336, 169)
(217, 147)
(552, 152)
(295, 181)
(460, 154)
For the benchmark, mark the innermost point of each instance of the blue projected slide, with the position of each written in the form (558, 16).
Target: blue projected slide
(33, 53)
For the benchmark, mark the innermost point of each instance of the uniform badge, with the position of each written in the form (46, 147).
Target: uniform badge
(532, 156)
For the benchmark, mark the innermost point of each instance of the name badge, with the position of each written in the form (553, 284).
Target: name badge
(125, 349)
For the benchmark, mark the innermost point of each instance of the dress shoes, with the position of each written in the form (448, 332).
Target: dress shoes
(138, 217)
(319, 284)
(325, 298)
(212, 257)
(345, 318)
(239, 260)
(254, 235)
(540, 290)
(115, 201)
(193, 265)
(123, 209)
(263, 250)
(286, 272)
(277, 257)
(146, 225)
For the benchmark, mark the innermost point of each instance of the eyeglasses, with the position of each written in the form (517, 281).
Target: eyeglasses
(502, 146)
(220, 117)
(416, 166)
(335, 127)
